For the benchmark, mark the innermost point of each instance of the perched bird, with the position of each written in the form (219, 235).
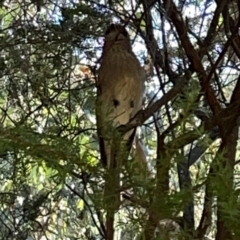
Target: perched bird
(120, 90)
(120, 86)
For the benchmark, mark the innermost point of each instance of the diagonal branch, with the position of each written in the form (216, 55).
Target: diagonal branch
(192, 54)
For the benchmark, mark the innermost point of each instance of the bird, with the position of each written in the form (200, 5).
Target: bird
(120, 91)
(120, 84)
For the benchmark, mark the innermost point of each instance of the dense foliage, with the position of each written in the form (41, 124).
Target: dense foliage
(181, 181)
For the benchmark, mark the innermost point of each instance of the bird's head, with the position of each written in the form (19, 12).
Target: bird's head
(117, 34)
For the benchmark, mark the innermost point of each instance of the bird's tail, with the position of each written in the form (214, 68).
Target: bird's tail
(116, 155)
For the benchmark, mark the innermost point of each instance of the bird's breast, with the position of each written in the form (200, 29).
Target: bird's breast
(118, 65)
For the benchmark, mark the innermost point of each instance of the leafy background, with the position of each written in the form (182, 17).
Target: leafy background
(185, 183)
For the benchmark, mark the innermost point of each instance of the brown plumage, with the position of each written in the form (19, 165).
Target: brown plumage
(120, 93)
(120, 82)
